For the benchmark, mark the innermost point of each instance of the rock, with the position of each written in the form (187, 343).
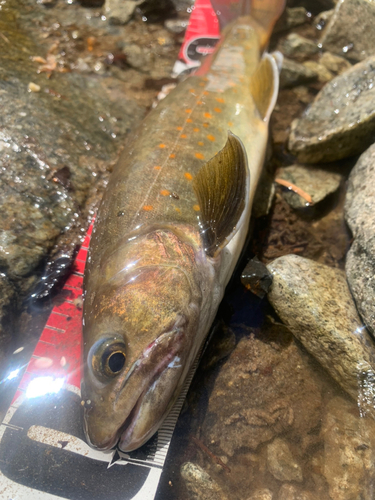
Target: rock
(314, 301)
(313, 6)
(182, 5)
(360, 216)
(137, 56)
(335, 64)
(120, 11)
(322, 19)
(316, 182)
(199, 484)
(341, 120)
(281, 463)
(291, 492)
(293, 73)
(298, 47)
(324, 75)
(263, 494)
(291, 18)
(256, 277)
(349, 449)
(176, 26)
(259, 392)
(7, 310)
(351, 30)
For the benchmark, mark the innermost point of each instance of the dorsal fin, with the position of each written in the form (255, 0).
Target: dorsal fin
(222, 186)
(264, 86)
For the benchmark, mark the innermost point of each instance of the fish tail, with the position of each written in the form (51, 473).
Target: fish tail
(265, 13)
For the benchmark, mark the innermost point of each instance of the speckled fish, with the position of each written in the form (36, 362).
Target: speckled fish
(169, 232)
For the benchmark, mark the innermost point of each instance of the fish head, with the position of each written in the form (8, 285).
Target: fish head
(139, 332)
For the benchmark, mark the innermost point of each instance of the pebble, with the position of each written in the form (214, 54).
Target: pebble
(280, 462)
(324, 75)
(33, 87)
(120, 11)
(294, 73)
(341, 120)
(314, 302)
(199, 484)
(318, 183)
(349, 448)
(298, 47)
(262, 494)
(291, 492)
(351, 30)
(291, 18)
(322, 19)
(335, 64)
(360, 216)
(256, 278)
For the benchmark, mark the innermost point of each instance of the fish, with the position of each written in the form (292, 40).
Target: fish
(169, 231)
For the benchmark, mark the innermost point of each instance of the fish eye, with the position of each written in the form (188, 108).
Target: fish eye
(109, 359)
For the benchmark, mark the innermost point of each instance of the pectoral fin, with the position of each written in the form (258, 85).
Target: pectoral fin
(222, 187)
(264, 86)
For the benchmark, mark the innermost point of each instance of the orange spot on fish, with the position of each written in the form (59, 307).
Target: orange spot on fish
(183, 136)
(179, 128)
(157, 167)
(148, 207)
(189, 120)
(177, 210)
(220, 99)
(196, 129)
(201, 143)
(188, 110)
(205, 92)
(205, 124)
(200, 156)
(218, 110)
(230, 124)
(207, 115)
(172, 155)
(199, 102)
(211, 137)
(192, 91)
(202, 84)
(188, 176)
(162, 146)
(164, 192)
(196, 208)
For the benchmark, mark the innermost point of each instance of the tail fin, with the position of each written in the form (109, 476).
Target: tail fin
(265, 13)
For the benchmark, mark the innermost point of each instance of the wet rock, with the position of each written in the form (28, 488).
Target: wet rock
(291, 492)
(91, 3)
(293, 73)
(335, 64)
(199, 484)
(324, 75)
(263, 494)
(341, 120)
(7, 310)
(316, 182)
(120, 11)
(349, 450)
(313, 6)
(137, 56)
(176, 26)
(322, 19)
(298, 47)
(259, 391)
(182, 5)
(351, 30)
(360, 216)
(291, 18)
(281, 463)
(256, 277)
(314, 301)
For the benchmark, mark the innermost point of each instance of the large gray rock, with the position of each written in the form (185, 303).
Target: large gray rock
(349, 452)
(360, 216)
(314, 301)
(341, 120)
(351, 30)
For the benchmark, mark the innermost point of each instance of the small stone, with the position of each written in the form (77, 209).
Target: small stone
(341, 120)
(291, 18)
(351, 30)
(137, 57)
(315, 303)
(293, 73)
(322, 19)
(177, 26)
(360, 216)
(256, 277)
(318, 183)
(33, 87)
(335, 64)
(281, 463)
(298, 47)
(324, 75)
(199, 484)
(349, 447)
(120, 11)
(262, 494)
(291, 492)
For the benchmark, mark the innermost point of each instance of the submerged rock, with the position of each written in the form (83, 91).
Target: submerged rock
(281, 462)
(291, 492)
(120, 11)
(263, 494)
(298, 47)
(293, 73)
(322, 19)
(256, 277)
(316, 182)
(324, 75)
(199, 484)
(314, 301)
(349, 451)
(7, 310)
(360, 216)
(335, 64)
(290, 18)
(351, 30)
(341, 120)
